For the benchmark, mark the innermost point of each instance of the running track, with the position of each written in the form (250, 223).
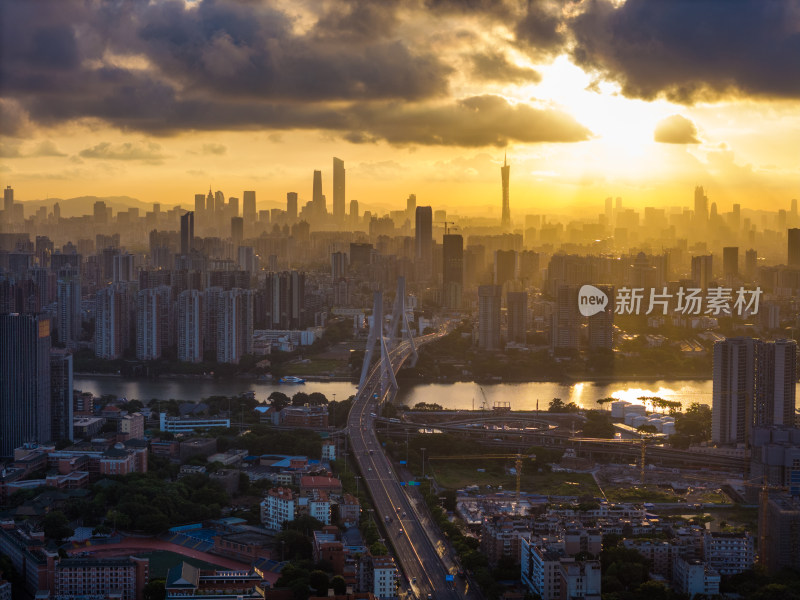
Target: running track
(130, 546)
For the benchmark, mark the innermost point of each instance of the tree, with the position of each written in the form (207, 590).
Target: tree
(319, 581)
(278, 401)
(339, 585)
(598, 425)
(557, 405)
(56, 526)
(694, 423)
(378, 549)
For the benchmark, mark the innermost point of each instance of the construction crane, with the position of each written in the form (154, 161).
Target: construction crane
(642, 442)
(517, 462)
(446, 223)
(485, 403)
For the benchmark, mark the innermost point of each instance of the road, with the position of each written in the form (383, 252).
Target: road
(413, 536)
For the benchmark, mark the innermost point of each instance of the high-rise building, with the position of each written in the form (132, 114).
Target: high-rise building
(601, 325)
(190, 326)
(794, 247)
(750, 263)
(291, 206)
(199, 205)
(219, 204)
(68, 293)
(566, 319)
(237, 231)
(354, 212)
(153, 321)
(338, 189)
(111, 332)
(210, 205)
(100, 213)
(234, 325)
(700, 208)
(489, 300)
(783, 532)
(423, 236)
(411, 205)
(249, 207)
(452, 270)
(338, 264)
(775, 398)
(517, 303)
(505, 266)
(123, 268)
(285, 300)
(187, 233)
(8, 203)
(25, 402)
(702, 270)
(505, 221)
(753, 385)
(317, 199)
(730, 261)
(60, 395)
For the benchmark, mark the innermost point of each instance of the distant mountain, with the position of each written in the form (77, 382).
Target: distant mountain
(84, 205)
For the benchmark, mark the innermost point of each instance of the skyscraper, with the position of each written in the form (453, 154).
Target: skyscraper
(601, 325)
(702, 270)
(505, 266)
(61, 394)
(249, 208)
(153, 321)
(730, 261)
(111, 337)
(25, 402)
(285, 300)
(452, 270)
(200, 209)
(794, 247)
(353, 213)
(517, 303)
(411, 205)
(291, 206)
(234, 325)
(753, 385)
(700, 208)
(69, 306)
(566, 319)
(489, 297)
(505, 170)
(187, 233)
(8, 202)
(190, 326)
(317, 199)
(237, 231)
(424, 240)
(338, 189)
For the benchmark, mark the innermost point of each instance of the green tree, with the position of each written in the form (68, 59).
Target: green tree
(557, 405)
(598, 425)
(339, 585)
(278, 401)
(56, 526)
(378, 549)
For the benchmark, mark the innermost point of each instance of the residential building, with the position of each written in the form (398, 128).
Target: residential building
(308, 417)
(540, 563)
(423, 239)
(190, 326)
(384, 576)
(123, 578)
(729, 553)
(579, 580)
(61, 392)
(783, 531)
(452, 270)
(691, 576)
(190, 424)
(278, 506)
(489, 297)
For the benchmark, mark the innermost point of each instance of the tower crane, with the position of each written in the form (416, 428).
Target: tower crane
(642, 442)
(446, 223)
(517, 462)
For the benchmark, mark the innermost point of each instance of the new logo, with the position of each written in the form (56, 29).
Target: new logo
(591, 300)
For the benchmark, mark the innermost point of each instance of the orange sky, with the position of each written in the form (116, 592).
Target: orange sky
(589, 99)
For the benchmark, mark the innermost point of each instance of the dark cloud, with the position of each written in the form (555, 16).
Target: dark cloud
(357, 21)
(690, 51)
(126, 151)
(494, 66)
(676, 129)
(541, 30)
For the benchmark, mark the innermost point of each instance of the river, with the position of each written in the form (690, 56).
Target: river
(461, 395)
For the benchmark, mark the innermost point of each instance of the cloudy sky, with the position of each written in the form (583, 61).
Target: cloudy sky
(641, 99)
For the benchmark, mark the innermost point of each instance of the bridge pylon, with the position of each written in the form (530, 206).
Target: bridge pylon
(400, 328)
(376, 337)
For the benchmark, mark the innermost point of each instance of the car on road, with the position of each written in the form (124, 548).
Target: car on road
(404, 514)
(400, 532)
(413, 580)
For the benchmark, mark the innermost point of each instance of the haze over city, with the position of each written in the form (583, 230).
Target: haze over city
(159, 100)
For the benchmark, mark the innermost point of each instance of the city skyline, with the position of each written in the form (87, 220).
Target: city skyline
(446, 91)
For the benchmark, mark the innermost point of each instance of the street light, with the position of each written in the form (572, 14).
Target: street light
(423, 462)
(357, 477)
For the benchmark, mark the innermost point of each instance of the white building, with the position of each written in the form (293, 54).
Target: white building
(540, 563)
(580, 579)
(384, 577)
(319, 507)
(234, 325)
(692, 576)
(729, 553)
(277, 507)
